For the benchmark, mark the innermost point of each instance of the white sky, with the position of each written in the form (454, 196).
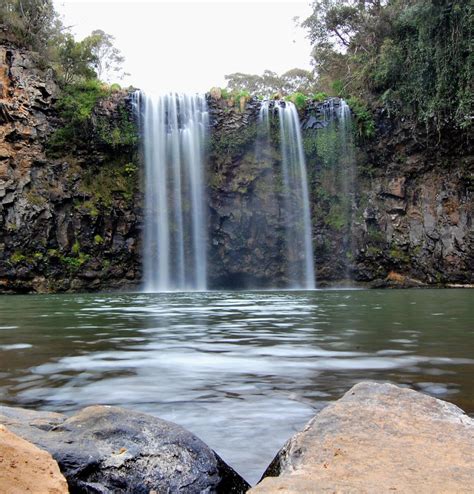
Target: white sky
(190, 45)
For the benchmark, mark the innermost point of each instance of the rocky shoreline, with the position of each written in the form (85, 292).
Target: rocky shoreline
(376, 438)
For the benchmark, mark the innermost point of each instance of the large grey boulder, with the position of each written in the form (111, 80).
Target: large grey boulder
(104, 450)
(378, 438)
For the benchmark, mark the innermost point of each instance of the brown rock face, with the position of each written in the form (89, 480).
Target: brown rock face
(26, 468)
(68, 214)
(378, 438)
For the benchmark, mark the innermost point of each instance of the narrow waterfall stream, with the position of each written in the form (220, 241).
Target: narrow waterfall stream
(336, 152)
(296, 217)
(174, 129)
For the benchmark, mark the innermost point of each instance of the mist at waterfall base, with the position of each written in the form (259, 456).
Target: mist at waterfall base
(175, 131)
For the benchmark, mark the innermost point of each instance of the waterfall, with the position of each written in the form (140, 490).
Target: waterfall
(296, 197)
(174, 129)
(296, 217)
(348, 178)
(336, 152)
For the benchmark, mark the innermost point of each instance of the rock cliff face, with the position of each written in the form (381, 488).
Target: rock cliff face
(394, 210)
(69, 219)
(415, 206)
(247, 242)
(398, 212)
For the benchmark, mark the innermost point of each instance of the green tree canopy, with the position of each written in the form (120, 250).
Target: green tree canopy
(108, 59)
(294, 80)
(35, 25)
(412, 55)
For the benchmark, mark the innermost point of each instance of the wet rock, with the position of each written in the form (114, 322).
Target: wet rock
(378, 438)
(109, 449)
(26, 468)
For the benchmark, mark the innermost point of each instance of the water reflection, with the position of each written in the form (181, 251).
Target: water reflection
(243, 370)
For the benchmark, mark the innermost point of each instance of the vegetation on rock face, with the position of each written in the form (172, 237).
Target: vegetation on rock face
(412, 56)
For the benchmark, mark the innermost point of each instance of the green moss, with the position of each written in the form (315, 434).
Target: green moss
(120, 132)
(337, 217)
(374, 251)
(298, 99)
(75, 263)
(318, 97)
(363, 117)
(17, 257)
(109, 180)
(76, 248)
(234, 144)
(35, 198)
(53, 253)
(216, 180)
(397, 254)
(91, 208)
(75, 106)
(130, 169)
(98, 240)
(375, 235)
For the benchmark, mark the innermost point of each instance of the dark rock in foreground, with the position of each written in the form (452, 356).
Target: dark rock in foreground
(378, 438)
(109, 450)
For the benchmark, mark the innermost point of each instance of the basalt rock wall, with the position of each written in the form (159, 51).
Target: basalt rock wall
(398, 213)
(391, 210)
(69, 217)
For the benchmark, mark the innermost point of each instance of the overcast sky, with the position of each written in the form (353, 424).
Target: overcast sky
(190, 45)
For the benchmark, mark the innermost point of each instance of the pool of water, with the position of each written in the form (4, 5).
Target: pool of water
(242, 370)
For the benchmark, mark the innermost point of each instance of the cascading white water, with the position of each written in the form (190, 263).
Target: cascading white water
(338, 155)
(174, 129)
(295, 194)
(298, 217)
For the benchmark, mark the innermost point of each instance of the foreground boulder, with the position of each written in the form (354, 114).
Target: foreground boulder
(26, 468)
(109, 449)
(378, 438)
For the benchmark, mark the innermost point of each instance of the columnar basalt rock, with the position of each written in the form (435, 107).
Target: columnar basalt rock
(415, 206)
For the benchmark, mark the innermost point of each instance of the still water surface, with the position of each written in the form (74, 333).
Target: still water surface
(242, 370)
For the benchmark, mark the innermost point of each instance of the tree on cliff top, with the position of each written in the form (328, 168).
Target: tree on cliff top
(292, 81)
(413, 56)
(108, 59)
(35, 25)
